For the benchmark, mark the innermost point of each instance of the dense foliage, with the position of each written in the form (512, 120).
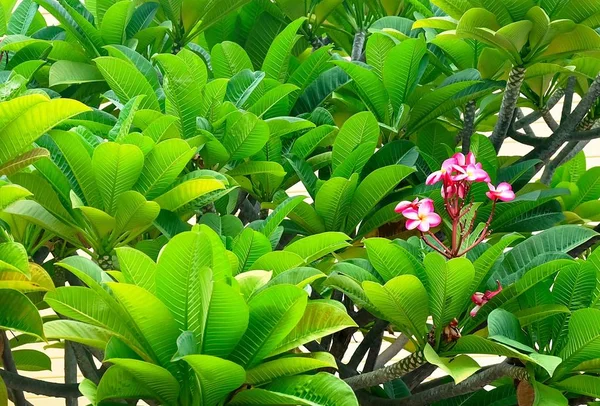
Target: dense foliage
(151, 155)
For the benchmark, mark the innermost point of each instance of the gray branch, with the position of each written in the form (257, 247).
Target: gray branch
(358, 45)
(391, 351)
(468, 127)
(9, 363)
(25, 384)
(537, 114)
(388, 373)
(507, 108)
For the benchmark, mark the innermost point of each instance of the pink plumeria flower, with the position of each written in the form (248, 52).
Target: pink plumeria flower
(480, 299)
(447, 167)
(471, 172)
(462, 160)
(405, 204)
(422, 219)
(502, 192)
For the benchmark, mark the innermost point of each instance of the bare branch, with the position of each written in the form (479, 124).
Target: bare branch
(468, 127)
(537, 114)
(388, 373)
(9, 363)
(391, 351)
(22, 383)
(568, 103)
(509, 103)
(365, 344)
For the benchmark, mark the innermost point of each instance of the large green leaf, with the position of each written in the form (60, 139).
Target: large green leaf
(314, 247)
(144, 380)
(370, 88)
(274, 313)
(186, 192)
(249, 246)
(402, 70)
(127, 81)
(583, 340)
(78, 332)
(228, 58)
(160, 330)
(117, 168)
(390, 259)
(245, 135)
(216, 377)
(359, 130)
(449, 283)
(137, 268)
(26, 118)
(182, 86)
(19, 313)
(183, 280)
(321, 318)
(403, 300)
(289, 365)
(277, 59)
(114, 23)
(333, 200)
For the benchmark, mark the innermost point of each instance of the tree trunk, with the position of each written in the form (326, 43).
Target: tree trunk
(388, 373)
(469, 126)
(509, 103)
(9, 365)
(358, 45)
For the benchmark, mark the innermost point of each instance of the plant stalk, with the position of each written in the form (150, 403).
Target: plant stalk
(507, 108)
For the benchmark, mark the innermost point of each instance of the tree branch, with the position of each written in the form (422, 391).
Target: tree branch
(365, 344)
(449, 390)
(22, 383)
(568, 103)
(358, 45)
(507, 108)
(391, 351)
(388, 373)
(468, 127)
(9, 363)
(70, 372)
(537, 114)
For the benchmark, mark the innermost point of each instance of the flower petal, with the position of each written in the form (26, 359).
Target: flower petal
(412, 224)
(411, 214)
(433, 219)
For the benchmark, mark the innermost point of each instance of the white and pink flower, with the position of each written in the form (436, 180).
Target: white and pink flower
(424, 218)
(502, 192)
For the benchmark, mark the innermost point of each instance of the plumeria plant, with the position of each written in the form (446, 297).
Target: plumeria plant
(457, 175)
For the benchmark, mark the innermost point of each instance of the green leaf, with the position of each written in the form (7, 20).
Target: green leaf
(20, 313)
(145, 380)
(369, 87)
(391, 260)
(162, 166)
(275, 218)
(556, 239)
(275, 102)
(449, 283)
(186, 192)
(127, 81)
(459, 368)
(311, 68)
(160, 331)
(359, 130)
(583, 341)
(249, 246)
(305, 390)
(484, 264)
(242, 85)
(581, 384)
(14, 258)
(277, 59)
(134, 214)
(68, 72)
(402, 70)
(245, 135)
(377, 185)
(228, 58)
(115, 20)
(182, 86)
(321, 318)
(546, 395)
(274, 313)
(78, 332)
(317, 246)
(138, 268)
(277, 261)
(31, 360)
(589, 188)
(116, 169)
(333, 201)
(403, 300)
(377, 50)
(226, 321)
(183, 280)
(26, 118)
(288, 366)
(12, 193)
(216, 377)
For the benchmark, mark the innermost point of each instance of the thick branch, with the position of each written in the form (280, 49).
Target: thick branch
(550, 121)
(568, 103)
(537, 114)
(365, 344)
(388, 373)
(358, 45)
(9, 364)
(391, 351)
(469, 385)
(70, 372)
(545, 151)
(22, 383)
(468, 126)
(507, 108)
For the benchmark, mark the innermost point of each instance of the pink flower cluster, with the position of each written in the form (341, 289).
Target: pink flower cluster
(457, 174)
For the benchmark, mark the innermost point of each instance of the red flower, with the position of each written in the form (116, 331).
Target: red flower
(481, 299)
